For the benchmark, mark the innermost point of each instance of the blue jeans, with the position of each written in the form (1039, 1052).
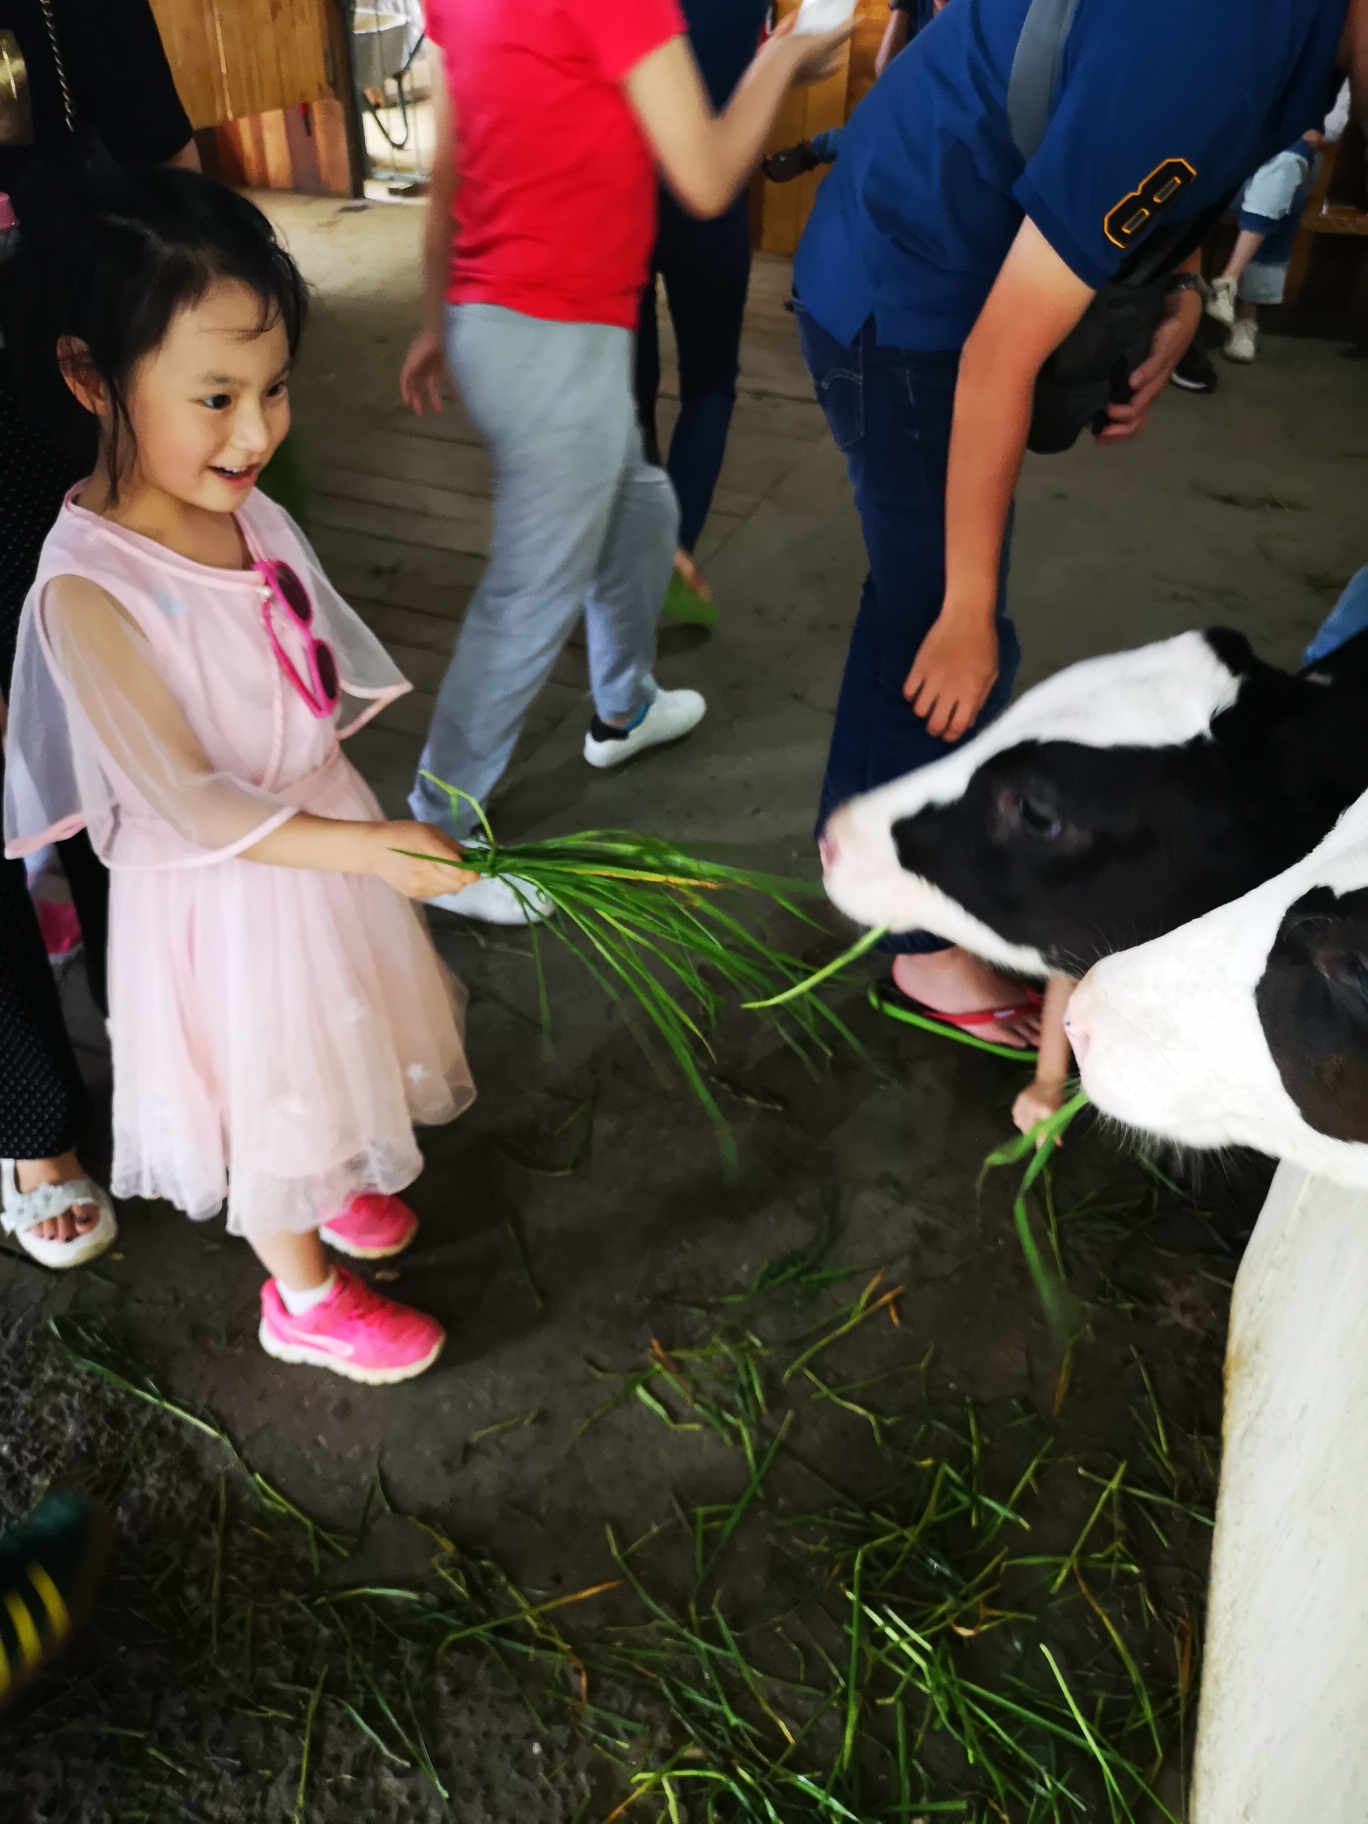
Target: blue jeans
(706, 268)
(581, 522)
(890, 411)
(1348, 617)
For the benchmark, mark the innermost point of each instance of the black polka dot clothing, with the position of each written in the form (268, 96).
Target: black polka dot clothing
(44, 1108)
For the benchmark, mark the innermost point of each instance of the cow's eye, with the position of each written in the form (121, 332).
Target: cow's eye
(1038, 820)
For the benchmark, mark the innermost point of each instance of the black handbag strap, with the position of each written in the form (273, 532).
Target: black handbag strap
(1036, 65)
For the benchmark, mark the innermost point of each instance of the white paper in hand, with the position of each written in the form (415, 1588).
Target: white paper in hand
(817, 16)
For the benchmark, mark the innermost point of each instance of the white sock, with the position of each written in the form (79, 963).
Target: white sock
(297, 1303)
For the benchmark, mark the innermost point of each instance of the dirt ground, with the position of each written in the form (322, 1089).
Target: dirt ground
(1244, 508)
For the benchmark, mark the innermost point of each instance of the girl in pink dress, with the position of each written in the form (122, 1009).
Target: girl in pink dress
(278, 1014)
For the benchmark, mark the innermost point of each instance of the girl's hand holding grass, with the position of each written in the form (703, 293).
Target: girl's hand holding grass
(412, 873)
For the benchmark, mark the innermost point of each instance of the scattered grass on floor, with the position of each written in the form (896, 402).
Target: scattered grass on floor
(963, 1623)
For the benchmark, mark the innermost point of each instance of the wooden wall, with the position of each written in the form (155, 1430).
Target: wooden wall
(783, 209)
(266, 85)
(234, 58)
(304, 147)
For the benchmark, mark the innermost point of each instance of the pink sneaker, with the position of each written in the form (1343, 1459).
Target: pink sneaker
(372, 1227)
(354, 1332)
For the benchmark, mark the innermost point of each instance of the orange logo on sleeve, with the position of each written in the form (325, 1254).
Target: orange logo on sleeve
(1137, 209)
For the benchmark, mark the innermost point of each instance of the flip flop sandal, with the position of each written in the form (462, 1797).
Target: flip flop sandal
(21, 1211)
(890, 999)
(50, 1569)
(684, 603)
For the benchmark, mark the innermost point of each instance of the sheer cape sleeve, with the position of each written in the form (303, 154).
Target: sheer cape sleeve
(132, 766)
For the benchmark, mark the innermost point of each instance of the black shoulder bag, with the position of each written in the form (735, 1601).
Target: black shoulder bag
(1091, 368)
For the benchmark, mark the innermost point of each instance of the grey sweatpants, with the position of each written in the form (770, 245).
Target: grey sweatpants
(581, 521)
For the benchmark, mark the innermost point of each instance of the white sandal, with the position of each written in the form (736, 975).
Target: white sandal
(21, 1211)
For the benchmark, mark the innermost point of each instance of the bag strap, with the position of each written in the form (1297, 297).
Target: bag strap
(68, 107)
(1035, 72)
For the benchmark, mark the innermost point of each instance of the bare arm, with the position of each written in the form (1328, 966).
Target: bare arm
(894, 40)
(1033, 305)
(707, 157)
(423, 377)
(335, 845)
(1045, 1096)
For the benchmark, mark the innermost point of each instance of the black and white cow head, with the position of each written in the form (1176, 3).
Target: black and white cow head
(1117, 800)
(1250, 1025)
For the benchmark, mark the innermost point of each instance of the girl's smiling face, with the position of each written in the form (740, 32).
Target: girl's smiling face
(207, 409)
(210, 406)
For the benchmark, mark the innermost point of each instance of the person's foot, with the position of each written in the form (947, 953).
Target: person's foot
(355, 1332)
(79, 1219)
(955, 981)
(688, 598)
(50, 1565)
(372, 1227)
(1220, 306)
(1194, 373)
(1242, 344)
(59, 1216)
(498, 900)
(672, 715)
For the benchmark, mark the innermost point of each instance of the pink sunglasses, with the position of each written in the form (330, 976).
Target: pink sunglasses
(283, 587)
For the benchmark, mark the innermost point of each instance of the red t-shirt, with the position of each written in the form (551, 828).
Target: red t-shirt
(555, 210)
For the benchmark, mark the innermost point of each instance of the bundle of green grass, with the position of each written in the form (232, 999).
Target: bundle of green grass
(678, 936)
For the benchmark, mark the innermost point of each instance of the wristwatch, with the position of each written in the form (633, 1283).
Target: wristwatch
(1186, 281)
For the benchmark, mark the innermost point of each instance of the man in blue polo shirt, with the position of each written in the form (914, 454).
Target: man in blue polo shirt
(936, 276)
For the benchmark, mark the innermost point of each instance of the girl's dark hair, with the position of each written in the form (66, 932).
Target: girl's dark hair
(110, 254)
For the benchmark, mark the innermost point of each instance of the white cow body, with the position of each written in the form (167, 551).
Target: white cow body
(1281, 1735)
(1171, 1041)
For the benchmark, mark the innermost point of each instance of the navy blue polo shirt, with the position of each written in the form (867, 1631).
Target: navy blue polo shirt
(1163, 107)
(725, 35)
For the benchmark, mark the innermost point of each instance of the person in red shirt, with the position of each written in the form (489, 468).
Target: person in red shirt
(552, 117)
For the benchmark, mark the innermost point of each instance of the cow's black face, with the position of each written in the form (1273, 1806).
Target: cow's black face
(1117, 800)
(1073, 852)
(1313, 1007)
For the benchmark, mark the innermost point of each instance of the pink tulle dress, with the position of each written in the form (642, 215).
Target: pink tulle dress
(276, 1031)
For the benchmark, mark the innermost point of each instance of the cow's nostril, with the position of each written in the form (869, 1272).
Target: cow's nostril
(826, 847)
(1078, 1037)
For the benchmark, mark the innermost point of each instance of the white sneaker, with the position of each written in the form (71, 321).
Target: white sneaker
(1242, 344)
(673, 714)
(1220, 306)
(497, 901)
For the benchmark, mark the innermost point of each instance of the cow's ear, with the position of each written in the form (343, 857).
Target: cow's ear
(1232, 649)
(1313, 1007)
